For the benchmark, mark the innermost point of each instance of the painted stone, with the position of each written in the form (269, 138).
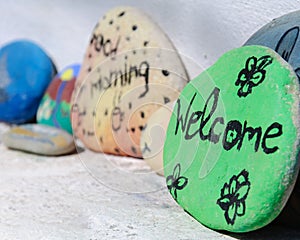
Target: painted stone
(25, 70)
(39, 139)
(282, 35)
(153, 137)
(55, 107)
(230, 155)
(130, 69)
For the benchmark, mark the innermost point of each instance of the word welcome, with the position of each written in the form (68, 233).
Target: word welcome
(234, 133)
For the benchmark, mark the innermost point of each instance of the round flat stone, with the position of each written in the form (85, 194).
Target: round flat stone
(230, 155)
(130, 69)
(153, 137)
(282, 35)
(39, 139)
(26, 71)
(55, 107)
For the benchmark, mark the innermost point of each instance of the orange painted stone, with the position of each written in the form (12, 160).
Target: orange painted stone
(129, 70)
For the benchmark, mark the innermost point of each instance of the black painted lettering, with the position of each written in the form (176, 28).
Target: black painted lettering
(133, 72)
(205, 119)
(232, 134)
(235, 133)
(107, 83)
(98, 43)
(277, 127)
(144, 72)
(192, 120)
(114, 50)
(105, 45)
(114, 77)
(251, 133)
(213, 137)
(180, 120)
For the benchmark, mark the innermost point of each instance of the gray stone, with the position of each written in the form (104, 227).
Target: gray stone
(281, 35)
(39, 139)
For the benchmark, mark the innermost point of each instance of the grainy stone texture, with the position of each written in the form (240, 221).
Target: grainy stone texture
(57, 198)
(212, 169)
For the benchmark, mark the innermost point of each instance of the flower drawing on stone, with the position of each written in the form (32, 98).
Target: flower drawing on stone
(252, 75)
(233, 197)
(176, 182)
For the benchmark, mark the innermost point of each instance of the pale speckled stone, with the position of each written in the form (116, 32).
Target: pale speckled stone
(130, 68)
(153, 137)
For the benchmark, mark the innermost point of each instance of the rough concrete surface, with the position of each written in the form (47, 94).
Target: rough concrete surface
(89, 195)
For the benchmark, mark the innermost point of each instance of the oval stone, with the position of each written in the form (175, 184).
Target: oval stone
(26, 71)
(153, 137)
(130, 69)
(39, 139)
(230, 155)
(55, 107)
(282, 35)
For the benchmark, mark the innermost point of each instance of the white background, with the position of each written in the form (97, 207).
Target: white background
(200, 29)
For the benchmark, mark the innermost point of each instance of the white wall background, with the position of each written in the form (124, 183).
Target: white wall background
(200, 29)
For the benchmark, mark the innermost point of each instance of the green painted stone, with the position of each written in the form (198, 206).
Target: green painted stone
(230, 155)
(55, 106)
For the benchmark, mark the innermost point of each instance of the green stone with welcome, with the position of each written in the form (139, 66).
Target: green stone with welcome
(230, 155)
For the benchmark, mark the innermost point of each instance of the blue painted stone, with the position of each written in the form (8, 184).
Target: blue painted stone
(281, 35)
(25, 72)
